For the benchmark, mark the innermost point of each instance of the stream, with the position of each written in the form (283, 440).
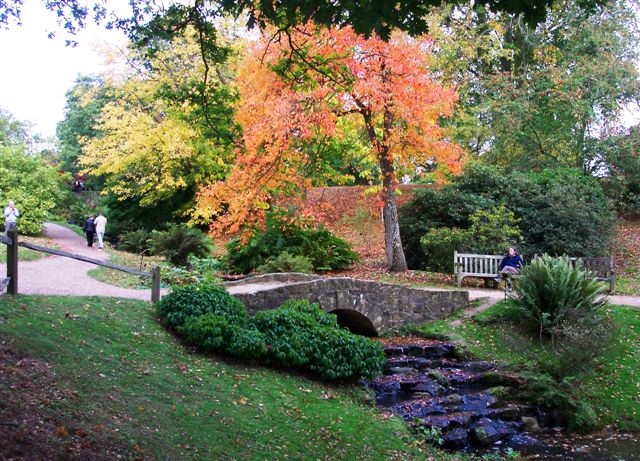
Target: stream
(466, 406)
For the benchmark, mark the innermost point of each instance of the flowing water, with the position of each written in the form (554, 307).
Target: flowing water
(469, 405)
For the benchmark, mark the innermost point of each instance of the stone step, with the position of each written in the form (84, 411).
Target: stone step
(402, 363)
(434, 351)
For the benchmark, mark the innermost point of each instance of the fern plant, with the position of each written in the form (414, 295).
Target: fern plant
(178, 242)
(551, 289)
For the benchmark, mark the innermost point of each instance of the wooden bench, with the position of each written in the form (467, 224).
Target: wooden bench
(475, 265)
(487, 266)
(601, 267)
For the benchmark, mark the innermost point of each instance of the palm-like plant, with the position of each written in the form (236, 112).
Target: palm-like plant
(551, 289)
(178, 242)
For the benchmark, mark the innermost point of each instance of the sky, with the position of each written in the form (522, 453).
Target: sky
(37, 71)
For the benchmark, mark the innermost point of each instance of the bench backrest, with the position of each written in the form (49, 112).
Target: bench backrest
(600, 266)
(475, 264)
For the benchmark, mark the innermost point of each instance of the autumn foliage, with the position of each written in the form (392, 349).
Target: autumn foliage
(295, 89)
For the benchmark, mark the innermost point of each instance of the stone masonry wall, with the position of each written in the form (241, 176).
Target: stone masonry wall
(386, 305)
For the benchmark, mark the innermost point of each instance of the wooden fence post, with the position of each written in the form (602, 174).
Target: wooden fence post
(155, 284)
(12, 262)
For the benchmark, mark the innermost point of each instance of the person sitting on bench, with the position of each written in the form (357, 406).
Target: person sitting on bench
(511, 264)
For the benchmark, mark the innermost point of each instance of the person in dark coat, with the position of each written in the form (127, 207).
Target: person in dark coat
(511, 264)
(89, 229)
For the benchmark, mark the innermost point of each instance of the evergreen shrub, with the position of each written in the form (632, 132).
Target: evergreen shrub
(135, 241)
(550, 289)
(438, 246)
(209, 332)
(300, 334)
(556, 211)
(179, 242)
(284, 232)
(188, 301)
(286, 262)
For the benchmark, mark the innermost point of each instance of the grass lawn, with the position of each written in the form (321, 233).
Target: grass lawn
(612, 388)
(120, 374)
(123, 279)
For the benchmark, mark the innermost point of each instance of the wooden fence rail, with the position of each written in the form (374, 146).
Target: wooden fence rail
(11, 282)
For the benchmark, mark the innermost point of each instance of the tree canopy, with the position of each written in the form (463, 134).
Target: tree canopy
(296, 86)
(378, 17)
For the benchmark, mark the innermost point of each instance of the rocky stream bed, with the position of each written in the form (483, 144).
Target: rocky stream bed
(469, 406)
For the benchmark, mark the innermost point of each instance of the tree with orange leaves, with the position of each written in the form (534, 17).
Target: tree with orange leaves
(297, 86)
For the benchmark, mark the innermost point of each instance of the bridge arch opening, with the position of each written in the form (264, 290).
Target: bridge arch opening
(355, 322)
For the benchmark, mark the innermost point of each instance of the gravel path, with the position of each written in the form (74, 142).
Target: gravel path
(57, 275)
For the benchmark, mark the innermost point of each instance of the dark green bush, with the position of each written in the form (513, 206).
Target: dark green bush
(438, 246)
(179, 242)
(196, 300)
(300, 334)
(431, 209)
(286, 233)
(339, 354)
(552, 288)
(286, 262)
(248, 344)
(560, 211)
(136, 241)
(210, 332)
(569, 214)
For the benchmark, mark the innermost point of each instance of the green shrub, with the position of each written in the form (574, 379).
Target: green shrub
(338, 354)
(552, 288)
(583, 419)
(248, 344)
(209, 332)
(136, 241)
(199, 270)
(34, 185)
(557, 211)
(493, 231)
(431, 209)
(438, 247)
(286, 262)
(178, 242)
(284, 232)
(300, 334)
(196, 300)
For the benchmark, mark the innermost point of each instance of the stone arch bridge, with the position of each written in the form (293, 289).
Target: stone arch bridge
(365, 307)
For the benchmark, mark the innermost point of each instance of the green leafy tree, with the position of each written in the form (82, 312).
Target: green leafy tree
(32, 184)
(533, 97)
(85, 101)
(158, 19)
(14, 132)
(166, 129)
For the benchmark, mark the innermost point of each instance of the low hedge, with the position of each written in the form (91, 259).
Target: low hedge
(298, 334)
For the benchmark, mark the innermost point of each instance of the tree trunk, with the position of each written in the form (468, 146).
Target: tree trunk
(396, 261)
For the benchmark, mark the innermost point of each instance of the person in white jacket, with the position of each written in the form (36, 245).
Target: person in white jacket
(101, 225)
(11, 214)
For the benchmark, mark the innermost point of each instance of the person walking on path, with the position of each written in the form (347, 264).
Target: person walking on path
(101, 225)
(89, 229)
(11, 214)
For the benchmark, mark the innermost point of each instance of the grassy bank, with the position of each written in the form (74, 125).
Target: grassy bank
(611, 388)
(120, 378)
